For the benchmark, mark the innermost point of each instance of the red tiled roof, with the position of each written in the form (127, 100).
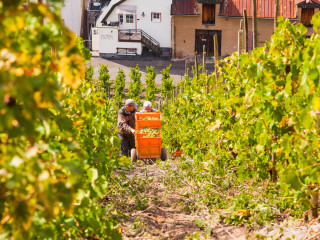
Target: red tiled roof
(184, 7)
(265, 8)
(307, 1)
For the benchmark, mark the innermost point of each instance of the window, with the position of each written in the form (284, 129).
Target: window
(155, 17)
(208, 13)
(129, 18)
(120, 18)
(306, 16)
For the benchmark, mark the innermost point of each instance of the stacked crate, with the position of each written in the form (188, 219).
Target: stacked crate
(149, 147)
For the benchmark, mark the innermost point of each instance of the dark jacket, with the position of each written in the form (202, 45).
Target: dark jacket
(126, 121)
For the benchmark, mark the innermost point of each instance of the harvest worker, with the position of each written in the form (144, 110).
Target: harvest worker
(126, 126)
(147, 107)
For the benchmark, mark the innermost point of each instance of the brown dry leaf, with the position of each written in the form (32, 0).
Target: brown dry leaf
(159, 218)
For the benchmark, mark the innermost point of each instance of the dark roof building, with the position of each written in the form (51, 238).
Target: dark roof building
(184, 7)
(194, 22)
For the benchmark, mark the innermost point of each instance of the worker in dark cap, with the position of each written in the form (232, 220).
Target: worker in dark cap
(126, 126)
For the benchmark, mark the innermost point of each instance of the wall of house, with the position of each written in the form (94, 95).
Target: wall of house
(95, 39)
(71, 15)
(107, 42)
(184, 32)
(161, 31)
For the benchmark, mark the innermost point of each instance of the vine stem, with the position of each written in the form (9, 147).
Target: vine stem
(273, 158)
(247, 107)
(264, 123)
(314, 165)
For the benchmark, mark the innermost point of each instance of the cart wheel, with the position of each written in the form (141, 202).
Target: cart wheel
(163, 154)
(133, 155)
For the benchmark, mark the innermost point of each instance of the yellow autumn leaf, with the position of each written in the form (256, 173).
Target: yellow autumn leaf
(69, 100)
(242, 212)
(279, 151)
(73, 70)
(15, 123)
(71, 38)
(46, 12)
(101, 101)
(37, 57)
(316, 104)
(20, 23)
(77, 123)
(284, 121)
(23, 57)
(41, 102)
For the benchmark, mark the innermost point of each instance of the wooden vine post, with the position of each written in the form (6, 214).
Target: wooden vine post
(207, 83)
(274, 174)
(276, 14)
(246, 36)
(240, 37)
(254, 23)
(216, 54)
(204, 59)
(186, 68)
(196, 65)
(315, 203)
(315, 195)
(173, 95)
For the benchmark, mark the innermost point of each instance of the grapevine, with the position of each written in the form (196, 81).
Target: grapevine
(259, 118)
(52, 164)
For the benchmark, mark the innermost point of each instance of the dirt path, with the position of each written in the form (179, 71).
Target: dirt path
(150, 209)
(164, 217)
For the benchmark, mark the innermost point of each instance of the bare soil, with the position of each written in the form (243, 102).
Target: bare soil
(163, 214)
(166, 218)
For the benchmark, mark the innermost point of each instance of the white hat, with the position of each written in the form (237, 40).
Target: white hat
(147, 104)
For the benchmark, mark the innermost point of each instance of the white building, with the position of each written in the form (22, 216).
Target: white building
(71, 14)
(133, 27)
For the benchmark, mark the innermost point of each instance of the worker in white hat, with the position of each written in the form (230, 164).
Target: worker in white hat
(147, 107)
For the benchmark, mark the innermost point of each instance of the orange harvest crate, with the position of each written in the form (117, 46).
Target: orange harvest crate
(148, 147)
